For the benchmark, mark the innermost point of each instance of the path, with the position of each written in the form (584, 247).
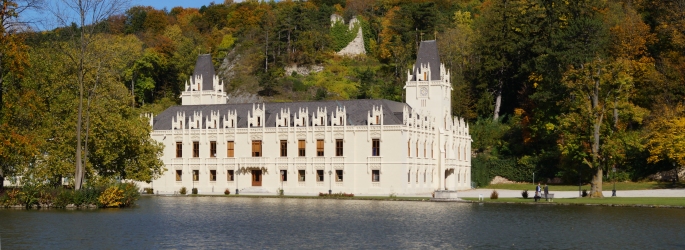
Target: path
(473, 193)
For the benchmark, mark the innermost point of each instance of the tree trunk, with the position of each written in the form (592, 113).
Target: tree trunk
(597, 180)
(78, 173)
(266, 53)
(596, 191)
(2, 180)
(498, 101)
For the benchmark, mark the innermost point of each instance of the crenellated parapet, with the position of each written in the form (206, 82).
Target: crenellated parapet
(338, 117)
(302, 118)
(319, 118)
(283, 118)
(230, 119)
(178, 120)
(213, 120)
(256, 117)
(375, 115)
(195, 121)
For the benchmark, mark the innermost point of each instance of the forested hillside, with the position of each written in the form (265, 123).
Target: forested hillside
(558, 88)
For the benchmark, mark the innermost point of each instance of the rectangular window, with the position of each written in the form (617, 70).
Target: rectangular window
(376, 147)
(179, 149)
(229, 175)
(424, 149)
(179, 175)
(212, 175)
(319, 175)
(300, 175)
(339, 147)
(424, 176)
(409, 177)
(284, 148)
(196, 175)
(408, 149)
(212, 149)
(256, 148)
(319, 147)
(229, 149)
(301, 148)
(378, 121)
(284, 175)
(196, 149)
(338, 175)
(417, 176)
(375, 176)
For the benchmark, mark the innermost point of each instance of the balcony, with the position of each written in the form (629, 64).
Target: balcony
(319, 160)
(300, 160)
(373, 159)
(338, 160)
(194, 161)
(282, 160)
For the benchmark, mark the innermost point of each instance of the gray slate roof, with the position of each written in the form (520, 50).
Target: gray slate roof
(428, 55)
(205, 67)
(357, 112)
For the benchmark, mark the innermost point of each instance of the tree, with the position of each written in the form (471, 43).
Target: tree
(85, 14)
(594, 87)
(18, 143)
(666, 139)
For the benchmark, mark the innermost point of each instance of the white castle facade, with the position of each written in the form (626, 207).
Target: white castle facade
(364, 147)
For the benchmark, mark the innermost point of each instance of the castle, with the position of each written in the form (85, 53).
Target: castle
(364, 147)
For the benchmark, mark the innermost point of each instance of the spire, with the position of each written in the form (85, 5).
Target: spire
(428, 55)
(205, 68)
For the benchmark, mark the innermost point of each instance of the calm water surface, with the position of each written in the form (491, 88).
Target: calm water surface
(259, 223)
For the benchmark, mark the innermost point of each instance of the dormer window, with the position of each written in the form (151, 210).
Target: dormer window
(425, 76)
(340, 121)
(197, 124)
(377, 120)
(259, 122)
(321, 123)
(214, 123)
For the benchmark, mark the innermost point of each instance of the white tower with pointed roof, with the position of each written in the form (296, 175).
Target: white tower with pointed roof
(204, 86)
(428, 88)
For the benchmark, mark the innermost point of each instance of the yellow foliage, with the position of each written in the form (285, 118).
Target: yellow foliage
(667, 136)
(111, 197)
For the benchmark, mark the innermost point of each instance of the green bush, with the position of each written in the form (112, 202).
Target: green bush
(194, 190)
(484, 169)
(524, 194)
(183, 190)
(130, 192)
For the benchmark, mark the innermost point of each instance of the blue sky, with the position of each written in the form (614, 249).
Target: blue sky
(44, 20)
(160, 4)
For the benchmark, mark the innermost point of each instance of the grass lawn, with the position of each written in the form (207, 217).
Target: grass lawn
(669, 201)
(606, 186)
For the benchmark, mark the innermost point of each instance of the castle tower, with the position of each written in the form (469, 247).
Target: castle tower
(428, 88)
(204, 86)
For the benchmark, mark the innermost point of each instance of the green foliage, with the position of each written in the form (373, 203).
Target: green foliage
(341, 35)
(524, 194)
(106, 194)
(183, 190)
(194, 191)
(484, 169)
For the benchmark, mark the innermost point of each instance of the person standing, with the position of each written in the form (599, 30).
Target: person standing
(537, 192)
(546, 193)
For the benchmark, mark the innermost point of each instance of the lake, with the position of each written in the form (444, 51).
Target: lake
(258, 223)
